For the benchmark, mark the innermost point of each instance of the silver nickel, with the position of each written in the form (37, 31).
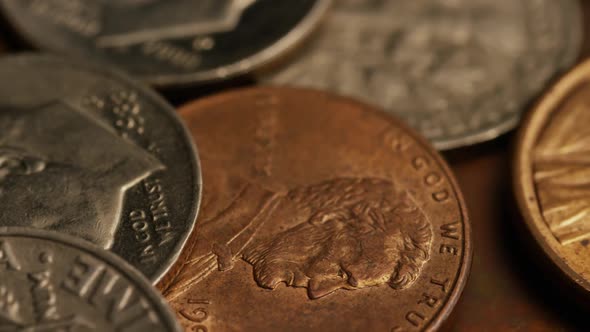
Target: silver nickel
(51, 282)
(90, 153)
(461, 71)
(168, 42)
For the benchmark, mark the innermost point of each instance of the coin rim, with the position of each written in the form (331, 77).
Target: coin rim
(459, 284)
(242, 67)
(570, 55)
(168, 110)
(522, 174)
(114, 261)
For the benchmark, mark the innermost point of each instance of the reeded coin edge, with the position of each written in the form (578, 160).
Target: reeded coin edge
(161, 103)
(570, 55)
(245, 66)
(114, 261)
(522, 173)
(460, 282)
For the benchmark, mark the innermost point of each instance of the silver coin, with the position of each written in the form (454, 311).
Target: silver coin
(90, 153)
(52, 282)
(460, 71)
(168, 42)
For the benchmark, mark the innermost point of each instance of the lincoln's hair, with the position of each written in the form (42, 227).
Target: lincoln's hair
(364, 209)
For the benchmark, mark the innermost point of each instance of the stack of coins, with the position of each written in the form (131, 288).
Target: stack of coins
(317, 200)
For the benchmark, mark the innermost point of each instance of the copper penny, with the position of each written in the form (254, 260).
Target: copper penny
(551, 172)
(320, 214)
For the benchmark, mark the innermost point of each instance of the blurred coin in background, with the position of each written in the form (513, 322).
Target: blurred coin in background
(458, 71)
(319, 214)
(52, 282)
(168, 42)
(552, 174)
(90, 153)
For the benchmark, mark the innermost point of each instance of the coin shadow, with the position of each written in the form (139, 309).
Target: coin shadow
(538, 276)
(10, 40)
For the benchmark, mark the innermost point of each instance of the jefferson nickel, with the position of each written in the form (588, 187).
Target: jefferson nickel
(90, 153)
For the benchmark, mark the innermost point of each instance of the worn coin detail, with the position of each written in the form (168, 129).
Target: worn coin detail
(90, 153)
(460, 72)
(551, 174)
(319, 214)
(50, 282)
(168, 42)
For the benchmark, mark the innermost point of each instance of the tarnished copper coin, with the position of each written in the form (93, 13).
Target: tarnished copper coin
(319, 214)
(551, 172)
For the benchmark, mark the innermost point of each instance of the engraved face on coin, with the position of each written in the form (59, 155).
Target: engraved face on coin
(94, 155)
(551, 174)
(459, 71)
(318, 205)
(50, 282)
(168, 42)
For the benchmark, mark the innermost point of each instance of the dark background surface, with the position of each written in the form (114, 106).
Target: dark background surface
(512, 287)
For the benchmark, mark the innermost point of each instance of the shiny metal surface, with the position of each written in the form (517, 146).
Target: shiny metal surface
(52, 282)
(319, 214)
(168, 42)
(460, 72)
(551, 171)
(87, 152)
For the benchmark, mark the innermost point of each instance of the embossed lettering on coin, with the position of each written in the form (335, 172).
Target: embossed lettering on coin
(350, 234)
(38, 149)
(306, 211)
(96, 157)
(55, 283)
(460, 72)
(169, 42)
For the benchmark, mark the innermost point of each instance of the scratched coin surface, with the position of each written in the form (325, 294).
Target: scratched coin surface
(460, 72)
(90, 153)
(52, 282)
(168, 42)
(551, 172)
(319, 214)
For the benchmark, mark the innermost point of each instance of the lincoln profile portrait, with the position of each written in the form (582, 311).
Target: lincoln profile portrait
(62, 170)
(339, 234)
(130, 22)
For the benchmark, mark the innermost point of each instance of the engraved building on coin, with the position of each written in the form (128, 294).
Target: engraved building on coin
(319, 214)
(168, 42)
(164, 19)
(98, 157)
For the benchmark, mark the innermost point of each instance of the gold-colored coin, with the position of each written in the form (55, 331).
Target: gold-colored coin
(552, 174)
